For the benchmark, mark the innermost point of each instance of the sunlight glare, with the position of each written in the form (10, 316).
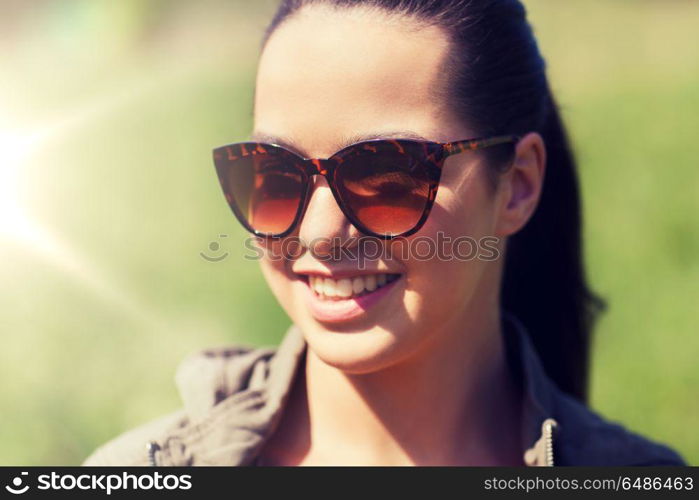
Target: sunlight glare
(15, 148)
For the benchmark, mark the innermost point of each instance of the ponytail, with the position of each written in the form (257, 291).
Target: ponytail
(544, 282)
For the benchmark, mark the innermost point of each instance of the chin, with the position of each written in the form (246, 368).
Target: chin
(358, 351)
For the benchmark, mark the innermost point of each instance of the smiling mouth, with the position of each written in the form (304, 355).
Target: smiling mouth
(347, 288)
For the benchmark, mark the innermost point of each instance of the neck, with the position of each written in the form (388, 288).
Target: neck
(454, 403)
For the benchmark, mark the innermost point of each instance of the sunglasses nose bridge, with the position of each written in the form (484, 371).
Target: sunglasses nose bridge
(319, 166)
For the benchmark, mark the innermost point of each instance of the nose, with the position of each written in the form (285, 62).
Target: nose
(324, 227)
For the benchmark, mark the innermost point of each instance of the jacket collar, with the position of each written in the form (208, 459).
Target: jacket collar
(538, 426)
(235, 398)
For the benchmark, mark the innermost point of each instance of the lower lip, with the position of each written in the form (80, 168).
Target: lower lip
(339, 311)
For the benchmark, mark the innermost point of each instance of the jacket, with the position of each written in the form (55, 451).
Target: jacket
(233, 398)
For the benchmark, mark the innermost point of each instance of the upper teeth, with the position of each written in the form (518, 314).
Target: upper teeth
(347, 287)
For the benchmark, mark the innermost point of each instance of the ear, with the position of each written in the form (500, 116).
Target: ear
(520, 187)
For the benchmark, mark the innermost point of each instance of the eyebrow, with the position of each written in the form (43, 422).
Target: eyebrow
(346, 141)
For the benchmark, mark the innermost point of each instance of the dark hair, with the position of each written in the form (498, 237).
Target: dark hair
(498, 84)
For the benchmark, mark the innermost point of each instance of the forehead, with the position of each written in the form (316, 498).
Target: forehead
(326, 75)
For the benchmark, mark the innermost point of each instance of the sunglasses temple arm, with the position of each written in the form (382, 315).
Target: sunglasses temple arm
(472, 144)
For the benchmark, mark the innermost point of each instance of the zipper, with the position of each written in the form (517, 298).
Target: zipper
(549, 427)
(152, 448)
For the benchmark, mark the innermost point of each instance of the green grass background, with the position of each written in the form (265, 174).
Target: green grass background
(98, 309)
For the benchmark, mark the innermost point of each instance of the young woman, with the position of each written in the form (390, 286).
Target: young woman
(388, 133)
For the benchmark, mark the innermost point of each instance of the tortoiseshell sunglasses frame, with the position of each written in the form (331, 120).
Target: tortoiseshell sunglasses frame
(430, 155)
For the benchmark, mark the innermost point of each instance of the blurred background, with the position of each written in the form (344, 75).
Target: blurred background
(110, 212)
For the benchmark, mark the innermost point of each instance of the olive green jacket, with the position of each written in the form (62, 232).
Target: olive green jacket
(234, 396)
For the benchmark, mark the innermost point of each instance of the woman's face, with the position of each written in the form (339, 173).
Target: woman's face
(328, 77)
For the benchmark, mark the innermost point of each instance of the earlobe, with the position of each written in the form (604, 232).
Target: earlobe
(521, 187)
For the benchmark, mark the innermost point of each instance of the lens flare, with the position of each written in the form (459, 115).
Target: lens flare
(15, 148)
(18, 228)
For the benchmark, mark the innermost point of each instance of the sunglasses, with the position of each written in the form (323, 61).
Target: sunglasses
(385, 187)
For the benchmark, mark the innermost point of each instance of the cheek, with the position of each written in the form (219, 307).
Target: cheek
(465, 204)
(464, 207)
(275, 269)
(444, 266)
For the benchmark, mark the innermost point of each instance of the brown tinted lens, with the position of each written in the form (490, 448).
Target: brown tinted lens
(264, 189)
(384, 190)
